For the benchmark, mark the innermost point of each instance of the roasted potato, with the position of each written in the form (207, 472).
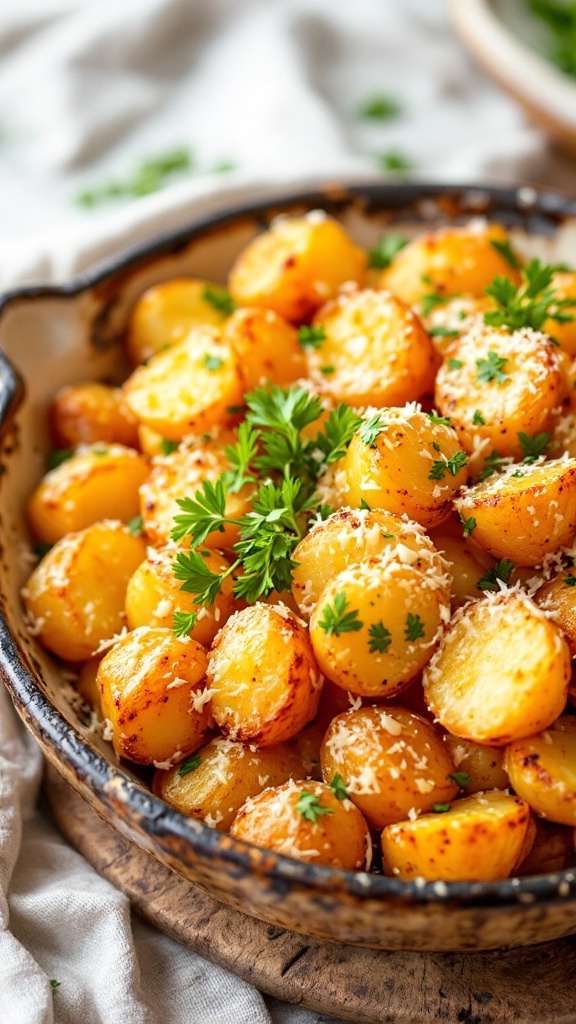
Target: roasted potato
(462, 566)
(265, 681)
(564, 284)
(75, 597)
(477, 767)
(91, 412)
(266, 346)
(477, 839)
(87, 684)
(153, 693)
(525, 512)
(167, 312)
(189, 389)
(306, 820)
(542, 770)
(391, 761)
(215, 783)
(552, 850)
(406, 462)
(500, 673)
(558, 599)
(295, 266)
(97, 482)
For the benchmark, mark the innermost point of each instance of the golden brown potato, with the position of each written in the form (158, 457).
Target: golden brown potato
(462, 566)
(266, 346)
(479, 839)
(451, 261)
(153, 595)
(558, 599)
(86, 413)
(181, 475)
(189, 389)
(525, 512)
(349, 537)
(376, 624)
(500, 673)
(552, 850)
(542, 770)
(482, 765)
(501, 387)
(97, 482)
(154, 696)
(215, 783)
(152, 443)
(296, 265)
(167, 312)
(265, 681)
(392, 763)
(307, 821)
(75, 596)
(375, 351)
(405, 462)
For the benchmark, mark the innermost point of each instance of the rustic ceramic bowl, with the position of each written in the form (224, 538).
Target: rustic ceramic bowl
(51, 336)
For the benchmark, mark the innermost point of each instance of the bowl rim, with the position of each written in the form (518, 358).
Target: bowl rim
(50, 727)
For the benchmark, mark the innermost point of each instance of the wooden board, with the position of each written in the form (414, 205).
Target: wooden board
(536, 985)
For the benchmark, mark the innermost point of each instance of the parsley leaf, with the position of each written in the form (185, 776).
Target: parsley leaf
(336, 619)
(462, 779)
(219, 298)
(444, 421)
(414, 627)
(189, 765)
(310, 806)
(241, 456)
(135, 526)
(443, 332)
(379, 107)
(394, 160)
(455, 364)
(533, 447)
(364, 505)
(58, 456)
(167, 446)
(212, 362)
(468, 524)
(380, 638)
(338, 788)
(202, 515)
(197, 578)
(54, 985)
(478, 419)
(184, 623)
(311, 337)
(150, 176)
(501, 571)
(491, 369)
(493, 462)
(453, 465)
(387, 247)
(338, 431)
(570, 580)
(371, 430)
(504, 248)
(530, 304)
(441, 808)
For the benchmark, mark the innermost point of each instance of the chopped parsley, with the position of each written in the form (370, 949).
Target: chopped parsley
(453, 465)
(311, 337)
(189, 765)
(443, 332)
(468, 524)
(394, 160)
(338, 788)
(135, 526)
(54, 985)
(327, 370)
(379, 107)
(58, 456)
(380, 638)
(167, 446)
(387, 247)
(364, 505)
(212, 362)
(310, 806)
(371, 430)
(478, 419)
(219, 298)
(414, 627)
(570, 580)
(501, 572)
(441, 808)
(455, 364)
(462, 779)
(504, 248)
(150, 176)
(533, 447)
(184, 623)
(492, 369)
(493, 463)
(441, 421)
(336, 618)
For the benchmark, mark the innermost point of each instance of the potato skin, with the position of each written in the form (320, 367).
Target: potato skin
(91, 412)
(552, 850)
(482, 764)
(542, 770)
(525, 512)
(394, 472)
(338, 839)
(166, 313)
(480, 839)
(75, 596)
(351, 536)
(180, 475)
(148, 684)
(153, 595)
(189, 389)
(296, 265)
(462, 566)
(525, 400)
(266, 346)
(228, 774)
(391, 761)
(505, 634)
(450, 261)
(266, 684)
(393, 643)
(98, 482)
(558, 599)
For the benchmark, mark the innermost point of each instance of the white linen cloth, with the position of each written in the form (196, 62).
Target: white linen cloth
(89, 88)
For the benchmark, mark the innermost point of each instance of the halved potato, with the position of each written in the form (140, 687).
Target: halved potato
(215, 783)
(500, 673)
(75, 596)
(153, 693)
(98, 482)
(264, 680)
(479, 839)
(391, 761)
(307, 821)
(189, 389)
(408, 464)
(167, 312)
(267, 347)
(91, 412)
(542, 770)
(525, 512)
(296, 265)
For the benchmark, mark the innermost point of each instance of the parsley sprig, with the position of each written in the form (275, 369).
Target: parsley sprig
(529, 304)
(311, 807)
(492, 369)
(453, 465)
(387, 247)
(533, 447)
(379, 638)
(501, 571)
(337, 619)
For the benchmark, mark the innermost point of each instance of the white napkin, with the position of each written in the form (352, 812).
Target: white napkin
(88, 90)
